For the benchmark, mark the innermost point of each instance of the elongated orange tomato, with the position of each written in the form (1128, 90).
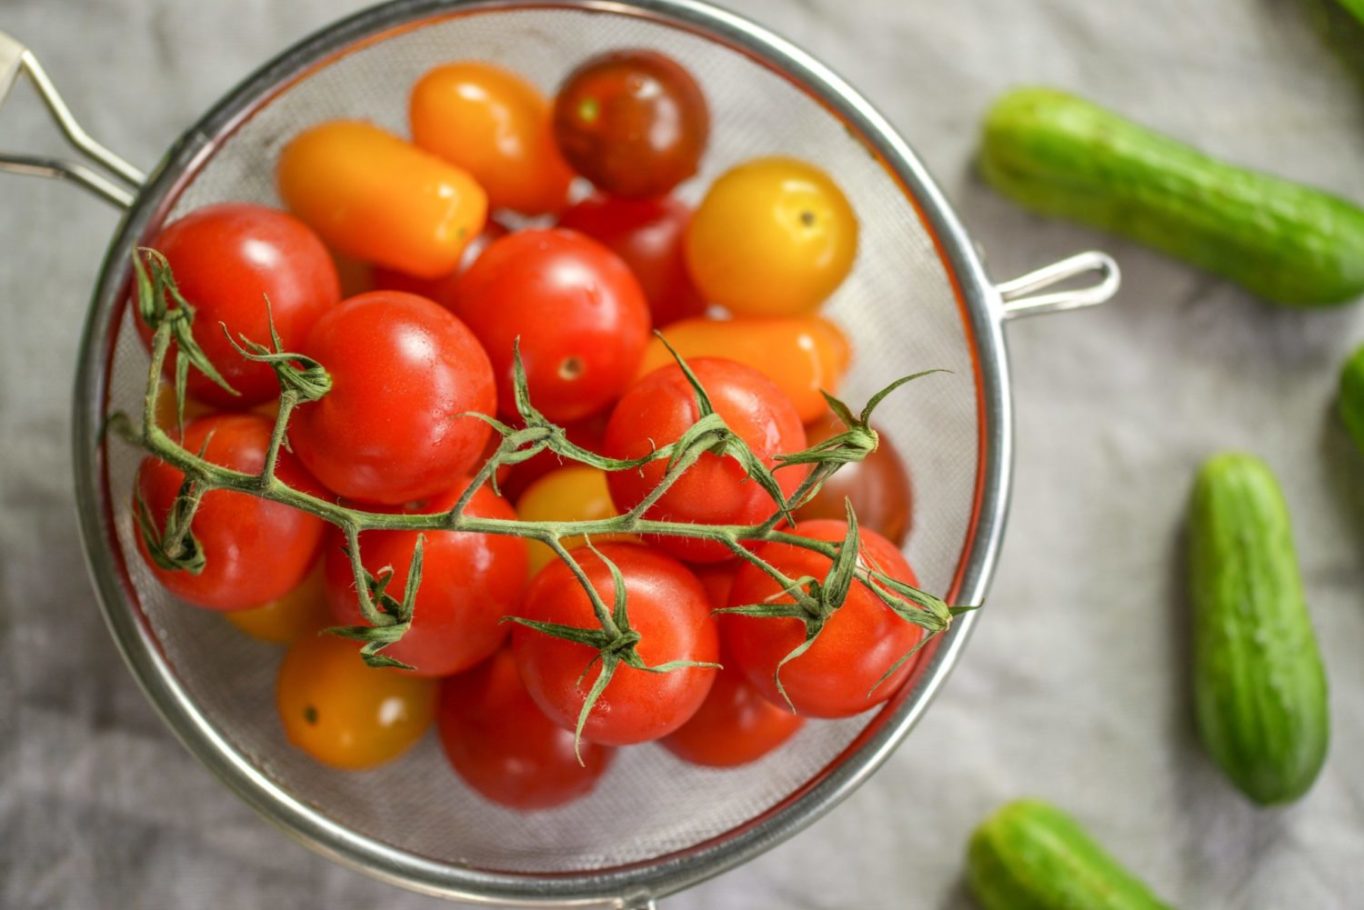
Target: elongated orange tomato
(801, 354)
(378, 198)
(495, 125)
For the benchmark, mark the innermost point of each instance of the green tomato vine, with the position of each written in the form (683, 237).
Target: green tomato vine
(388, 615)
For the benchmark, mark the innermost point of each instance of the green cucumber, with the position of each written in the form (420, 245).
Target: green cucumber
(1061, 155)
(1032, 856)
(1259, 686)
(1352, 396)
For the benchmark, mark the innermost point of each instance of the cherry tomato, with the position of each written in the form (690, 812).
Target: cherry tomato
(227, 259)
(667, 607)
(469, 582)
(579, 313)
(502, 745)
(442, 289)
(860, 642)
(344, 713)
(377, 198)
(717, 578)
(773, 237)
(659, 408)
(647, 234)
(574, 493)
(801, 354)
(394, 426)
(254, 551)
(496, 126)
(586, 433)
(288, 618)
(878, 487)
(735, 725)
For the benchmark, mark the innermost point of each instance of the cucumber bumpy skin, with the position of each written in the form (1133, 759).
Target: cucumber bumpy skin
(1030, 855)
(1352, 396)
(1060, 155)
(1259, 685)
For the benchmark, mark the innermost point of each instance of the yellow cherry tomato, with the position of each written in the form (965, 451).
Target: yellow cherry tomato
(495, 125)
(302, 610)
(575, 493)
(165, 408)
(773, 237)
(373, 196)
(801, 354)
(344, 713)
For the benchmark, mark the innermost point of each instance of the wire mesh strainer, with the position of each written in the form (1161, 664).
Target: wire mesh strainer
(918, 297)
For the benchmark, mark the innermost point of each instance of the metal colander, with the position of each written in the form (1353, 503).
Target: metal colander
(918, 297)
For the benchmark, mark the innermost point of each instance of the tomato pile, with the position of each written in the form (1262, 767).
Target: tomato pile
(522, 243)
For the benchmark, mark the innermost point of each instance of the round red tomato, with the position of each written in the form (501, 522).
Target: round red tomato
(580, 315)
(394, 428)
(254, 551)
(669, 610)
(469, 582)
(647, 234)
(634, 122)
(735, 725)
(659, 408)
(860, 641)
(226, 260)
(877, 486)
(504, 747)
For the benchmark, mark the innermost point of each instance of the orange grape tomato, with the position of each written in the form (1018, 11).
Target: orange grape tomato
(496, 126)
(375, 197)
(575, 493)
(441, 289)
(302, 610)
(877, 486)
(801, 354)
(773, 237)
(345, 713)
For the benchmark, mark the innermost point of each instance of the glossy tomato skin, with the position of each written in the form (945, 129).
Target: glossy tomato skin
(469, 583)
(878, 487)
(502, 745)
(735, 725)
(442, 289)
(579, 313)
(226, 260)
(344, 713)
(496, 126)
(659, 408)
(860, 642)
(634, 122)
(647, 234)
(393, 427)
(772, 237)
(255, 551)
(669, 610)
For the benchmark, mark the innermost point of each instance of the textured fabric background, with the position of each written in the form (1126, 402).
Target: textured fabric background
(1074, 687)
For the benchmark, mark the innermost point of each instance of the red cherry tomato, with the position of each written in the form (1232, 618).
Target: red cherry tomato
(581, 318)
(227, 259)
(647, 234)
(659, 408)
(504, 747)
(469, 582)
(394, 427)
(441, 290)
(735, 725)
(860, 642)
(634, 122)
(254, 551)
(667, 607)
(878, 487)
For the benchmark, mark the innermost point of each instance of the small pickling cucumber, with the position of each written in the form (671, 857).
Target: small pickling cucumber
(1352, 396)
(1061, 155)
(1259, 686)
(1029, 855)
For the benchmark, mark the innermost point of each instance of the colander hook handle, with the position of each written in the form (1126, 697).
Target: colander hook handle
(17, 60)
(1020, 296)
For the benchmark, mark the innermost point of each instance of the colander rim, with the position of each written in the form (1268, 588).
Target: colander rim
(636, 883)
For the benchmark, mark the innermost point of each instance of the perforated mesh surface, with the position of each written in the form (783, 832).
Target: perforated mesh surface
(898, 307)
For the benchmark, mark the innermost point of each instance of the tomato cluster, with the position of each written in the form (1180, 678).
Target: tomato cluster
(441, 300)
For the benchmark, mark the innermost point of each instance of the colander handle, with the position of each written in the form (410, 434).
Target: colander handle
(1020, 296)
(119, 180)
